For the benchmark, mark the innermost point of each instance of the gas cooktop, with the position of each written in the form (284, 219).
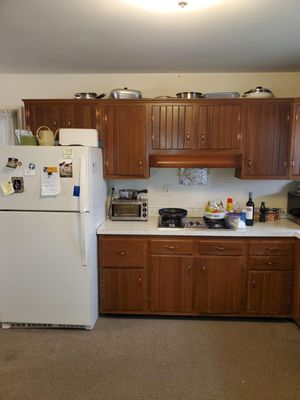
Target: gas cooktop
(193, 222)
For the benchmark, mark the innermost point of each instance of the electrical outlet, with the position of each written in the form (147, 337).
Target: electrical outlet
(166, 190)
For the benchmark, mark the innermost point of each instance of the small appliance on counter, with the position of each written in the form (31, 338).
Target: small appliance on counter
(129, 206)
(293, 207)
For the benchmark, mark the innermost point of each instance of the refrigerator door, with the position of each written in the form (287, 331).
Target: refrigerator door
(31, 163)
(42, 276)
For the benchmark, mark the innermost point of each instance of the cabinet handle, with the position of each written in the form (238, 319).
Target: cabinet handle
(219, 248)
(270, 263)
(27, 113)
(189, 267)
(140, 280)
(292, 163)
(55, 123)
(203, 136)
(239, 136)
(249, 163)
(203, 267)
(253, 284)
(170, 247)
(140, 164)
(285, 164)
(123, 253)
(69, 123)
(187, 137)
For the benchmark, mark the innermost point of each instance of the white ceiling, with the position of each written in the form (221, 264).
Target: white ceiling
(113, 36)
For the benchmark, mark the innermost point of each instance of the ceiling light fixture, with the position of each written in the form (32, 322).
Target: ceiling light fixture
(170, 6)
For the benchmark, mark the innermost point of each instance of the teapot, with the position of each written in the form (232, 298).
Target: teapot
(45, 136)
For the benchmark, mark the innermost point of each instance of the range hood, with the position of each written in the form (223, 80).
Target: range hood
(199, 160)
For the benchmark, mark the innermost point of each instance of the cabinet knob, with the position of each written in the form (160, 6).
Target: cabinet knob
(249, 163)
(140, 279)
(140, 163)
(220, 248)
(169, 247)
(187, 136)
(202, 136)
(69, 123)
(253, 284)
(55, 123)
(203, 268)
(189, 267)
(123, 253)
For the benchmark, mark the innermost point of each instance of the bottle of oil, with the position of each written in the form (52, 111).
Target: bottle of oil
(249, 211)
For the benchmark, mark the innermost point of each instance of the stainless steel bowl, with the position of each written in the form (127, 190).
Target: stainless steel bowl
(189, 95)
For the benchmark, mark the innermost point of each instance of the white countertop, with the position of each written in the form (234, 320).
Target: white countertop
(279, 228)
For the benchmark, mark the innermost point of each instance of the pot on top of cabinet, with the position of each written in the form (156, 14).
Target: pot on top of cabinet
(258, 92)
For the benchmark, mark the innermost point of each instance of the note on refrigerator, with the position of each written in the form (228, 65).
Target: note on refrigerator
(50, 181)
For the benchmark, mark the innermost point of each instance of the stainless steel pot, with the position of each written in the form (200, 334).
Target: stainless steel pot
(189, 95)
(90, 95)
(125, 94)
(130, 193)
(258, 92)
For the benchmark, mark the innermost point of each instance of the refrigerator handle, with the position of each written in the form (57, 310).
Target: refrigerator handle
(84, 186)
(84, 238)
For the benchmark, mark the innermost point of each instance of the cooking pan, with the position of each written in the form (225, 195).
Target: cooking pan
(173, 212)
(130, 193)
(90, 95)
(189, 95)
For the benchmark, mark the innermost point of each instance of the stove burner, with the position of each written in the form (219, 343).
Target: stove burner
(169, 222)
(192, 222)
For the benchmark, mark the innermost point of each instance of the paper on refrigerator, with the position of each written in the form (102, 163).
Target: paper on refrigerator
(50, 181)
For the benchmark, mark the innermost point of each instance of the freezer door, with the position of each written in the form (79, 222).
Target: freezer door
(39, 157)
(42, 276)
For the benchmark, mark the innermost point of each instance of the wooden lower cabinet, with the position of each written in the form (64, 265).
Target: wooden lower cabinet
(270, 280)
(270, 292)
(123, 289)
(218, 285)
(171, 283)
(191, 276)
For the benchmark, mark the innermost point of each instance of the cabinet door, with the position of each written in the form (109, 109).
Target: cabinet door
(218, 284)
(266, 144)
(123, 289)
(295, 144)
(171, 283)
(54, 116)
(124, 136)
(172, 127)
(296, 286)
(269, 292)
(219, 127)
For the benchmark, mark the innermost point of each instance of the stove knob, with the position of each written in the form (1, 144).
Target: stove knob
(198, 223)
(191, 223)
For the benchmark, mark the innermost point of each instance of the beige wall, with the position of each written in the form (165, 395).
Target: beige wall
(14, 88)
(221, 182)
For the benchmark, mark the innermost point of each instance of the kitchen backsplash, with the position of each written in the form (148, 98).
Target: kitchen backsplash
(164, 190)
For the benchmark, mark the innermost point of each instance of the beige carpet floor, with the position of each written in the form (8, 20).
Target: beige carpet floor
(153, 358)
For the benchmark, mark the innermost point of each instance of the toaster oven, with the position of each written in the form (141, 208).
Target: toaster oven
(129, 210)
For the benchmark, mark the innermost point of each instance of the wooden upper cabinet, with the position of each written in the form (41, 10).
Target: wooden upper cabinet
(172, 127)
(219, 127)
(265, 153)
(124, 133)
(194, 127)
(54, 115)
(295, 143)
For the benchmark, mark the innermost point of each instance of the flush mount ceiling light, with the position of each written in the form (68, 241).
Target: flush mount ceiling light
(172, 5)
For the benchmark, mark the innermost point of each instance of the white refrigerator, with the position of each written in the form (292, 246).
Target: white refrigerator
(52, 199)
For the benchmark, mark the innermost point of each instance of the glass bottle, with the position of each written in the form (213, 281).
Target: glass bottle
(262, 212)
(249, 211)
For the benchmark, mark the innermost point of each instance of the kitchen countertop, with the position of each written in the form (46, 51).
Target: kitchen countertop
(279, 228)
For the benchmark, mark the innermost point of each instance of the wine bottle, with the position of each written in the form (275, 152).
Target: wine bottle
(249, 211)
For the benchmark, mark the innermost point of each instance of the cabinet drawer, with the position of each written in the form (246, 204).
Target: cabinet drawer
(118, 252)
(271, 263)
(220, 247)
(171, 246)
(271, 247)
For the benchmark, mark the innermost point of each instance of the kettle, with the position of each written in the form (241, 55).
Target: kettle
(45, 136)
